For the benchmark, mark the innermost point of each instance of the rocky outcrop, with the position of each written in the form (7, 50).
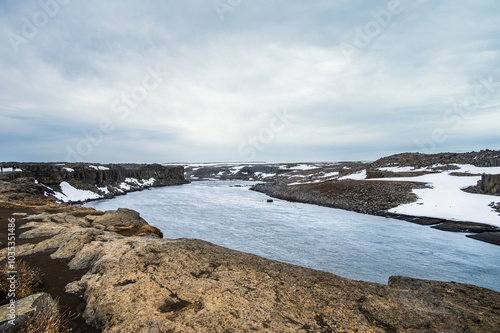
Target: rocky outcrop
(371, 197)
(145, 284)
(489, 184)
(98, 175)
(101, 181)
(483, 158)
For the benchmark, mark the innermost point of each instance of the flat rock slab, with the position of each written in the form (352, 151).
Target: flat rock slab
(489, 237)
(422, 220)
(465, 227)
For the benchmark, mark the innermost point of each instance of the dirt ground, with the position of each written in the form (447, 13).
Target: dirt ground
(54, 273)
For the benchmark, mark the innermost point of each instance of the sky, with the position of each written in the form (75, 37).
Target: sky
(239, 80)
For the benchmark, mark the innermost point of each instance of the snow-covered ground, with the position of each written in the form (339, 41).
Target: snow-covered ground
(98, 167)
(302, 167)
(402, 169)
(445, 198)
(11, 170)
(355, 176)
(70, 193)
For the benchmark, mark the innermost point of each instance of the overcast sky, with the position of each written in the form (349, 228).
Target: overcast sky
(247, 80)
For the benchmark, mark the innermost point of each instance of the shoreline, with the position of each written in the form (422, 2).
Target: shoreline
(491, 232)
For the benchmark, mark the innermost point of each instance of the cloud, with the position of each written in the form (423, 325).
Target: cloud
(223, 80)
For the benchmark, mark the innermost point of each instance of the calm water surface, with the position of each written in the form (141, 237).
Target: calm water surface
(349, 244)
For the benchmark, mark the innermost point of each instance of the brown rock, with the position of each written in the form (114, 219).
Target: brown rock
(114, 220)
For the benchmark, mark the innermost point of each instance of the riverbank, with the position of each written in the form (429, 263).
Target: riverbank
(455, 192)
(375, 198)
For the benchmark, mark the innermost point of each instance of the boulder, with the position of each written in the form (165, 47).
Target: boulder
(114, 220)
(25, 307)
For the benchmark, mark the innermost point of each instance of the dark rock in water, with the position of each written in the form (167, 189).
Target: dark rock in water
(489, 237)
(465, 227)
(362, 196)
(270, 200)
(416, 219)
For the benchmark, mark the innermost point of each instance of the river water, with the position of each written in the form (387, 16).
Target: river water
(353, 245)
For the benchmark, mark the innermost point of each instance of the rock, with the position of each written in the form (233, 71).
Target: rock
(142, 230)
(41, 229)
(465, 227)
(489, 237)
(373, 197)
(489, 184)
(24, 308)
(114, 220)
(74, 287)
(111, 174)
(74, 242)
(194, 286)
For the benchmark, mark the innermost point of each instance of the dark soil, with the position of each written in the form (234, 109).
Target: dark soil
(54, 273)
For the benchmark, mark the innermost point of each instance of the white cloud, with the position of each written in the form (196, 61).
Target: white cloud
(224, 79)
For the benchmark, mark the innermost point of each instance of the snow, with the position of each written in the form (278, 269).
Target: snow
(36, 181)
(11, 170)
(70, 193)
(475, 170)
(142, 182)
(312, 182)
(69, 169)
(355, 176)
(446, 200)
(303, 167)
(99, 167)
(124, 186)
(402, 169)
(236, 169)
(148, 182)
(331, 174)
(132, 181)
(104, 189)
(264, 175)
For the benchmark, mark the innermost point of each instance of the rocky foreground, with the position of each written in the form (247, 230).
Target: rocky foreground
(136, 281)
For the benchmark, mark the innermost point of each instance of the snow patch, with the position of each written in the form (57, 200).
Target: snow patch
(330, 174)
(12, 170)
(402, 169)
(104, 189)
(69, 169)
(236, 169)
(99, 167)
(355, 176)
(124, 186)
(70, 193)
(445, 199)
(264, 175)
(304, 167)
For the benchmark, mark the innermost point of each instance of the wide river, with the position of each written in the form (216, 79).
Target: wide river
(357, 246)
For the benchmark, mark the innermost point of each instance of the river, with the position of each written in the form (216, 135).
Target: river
(353, 245)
